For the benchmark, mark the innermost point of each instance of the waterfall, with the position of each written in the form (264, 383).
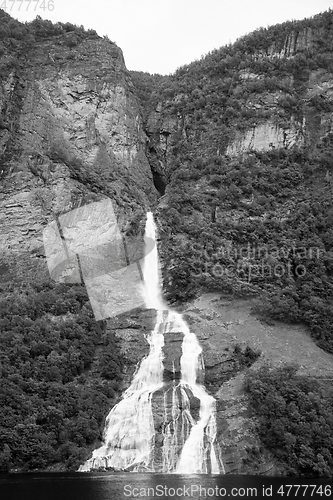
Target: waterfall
(187, 428)
(198, 454)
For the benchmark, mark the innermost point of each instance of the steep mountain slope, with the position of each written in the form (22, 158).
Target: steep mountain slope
(243, 141)
(235, 153)
(244, 138)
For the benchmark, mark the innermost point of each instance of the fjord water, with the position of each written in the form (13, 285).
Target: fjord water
(119, 486)
(188, 442)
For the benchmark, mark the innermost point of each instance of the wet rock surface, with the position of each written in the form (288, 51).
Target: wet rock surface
(172, 351)
(132, 329)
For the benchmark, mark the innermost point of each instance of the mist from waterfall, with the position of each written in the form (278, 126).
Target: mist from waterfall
(188, 443)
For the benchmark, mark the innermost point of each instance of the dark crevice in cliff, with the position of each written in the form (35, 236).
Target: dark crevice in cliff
(159, 182)
(157, 162)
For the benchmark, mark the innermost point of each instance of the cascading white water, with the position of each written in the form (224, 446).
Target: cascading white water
(129, 429)
(198, 454)
(151, 269)
(189, 445)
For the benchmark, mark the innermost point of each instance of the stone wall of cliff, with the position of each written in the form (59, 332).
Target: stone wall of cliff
(279, 120)
(71, 133)
(272, 89)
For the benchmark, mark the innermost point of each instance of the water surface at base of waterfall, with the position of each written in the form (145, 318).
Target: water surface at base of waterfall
(118, 486)
(163, 423)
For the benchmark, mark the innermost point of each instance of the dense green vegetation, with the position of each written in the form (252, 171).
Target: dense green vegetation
(280, 242)
(147, 89)
(294, 419)
(55, 390)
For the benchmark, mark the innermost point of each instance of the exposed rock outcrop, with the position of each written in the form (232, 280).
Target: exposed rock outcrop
(282, 129)
(297, 40)
(266, 136)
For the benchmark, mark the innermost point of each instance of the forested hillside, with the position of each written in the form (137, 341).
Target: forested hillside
(53, 405)
(294, 419)
(244, 136)
(245, 139)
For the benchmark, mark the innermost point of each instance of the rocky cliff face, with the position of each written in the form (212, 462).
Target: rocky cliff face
(283, 127)
(276, 123)
(71, 133)
(272, 98)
